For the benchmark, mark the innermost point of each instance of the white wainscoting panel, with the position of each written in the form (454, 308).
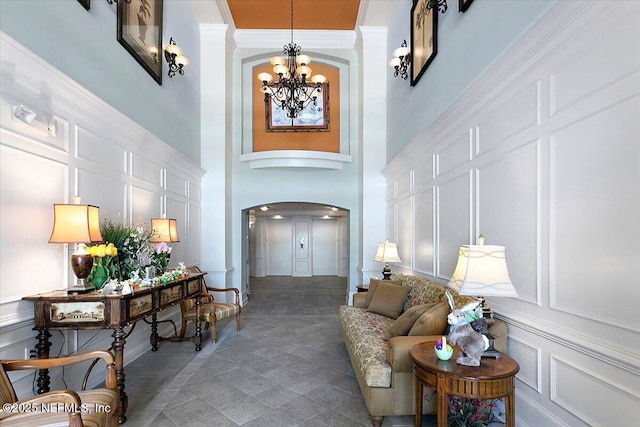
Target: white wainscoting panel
(598, 395)
(592, 160)
(96, 153)
(529, 358)
(405, 234)
(507, 194)
(454, 221)
(555, 178)
(424, 232)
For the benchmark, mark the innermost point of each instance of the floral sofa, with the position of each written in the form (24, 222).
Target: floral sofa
(380, 329)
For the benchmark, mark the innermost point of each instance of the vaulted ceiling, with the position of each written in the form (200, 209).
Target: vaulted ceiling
(307, 14)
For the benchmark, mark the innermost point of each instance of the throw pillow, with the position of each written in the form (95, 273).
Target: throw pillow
(388, 299)
(432, 321)
(373, 283)
(403, 324)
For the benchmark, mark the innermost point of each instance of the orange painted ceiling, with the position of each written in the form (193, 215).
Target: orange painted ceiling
(307, 14)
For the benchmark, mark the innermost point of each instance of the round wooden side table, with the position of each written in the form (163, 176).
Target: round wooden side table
(494, 378)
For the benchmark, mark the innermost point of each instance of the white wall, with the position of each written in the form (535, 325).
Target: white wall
(99, 154)
(82, 44)
(541, 154)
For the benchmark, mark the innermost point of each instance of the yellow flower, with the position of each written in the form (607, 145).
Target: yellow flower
(111, 250)
(102, 250)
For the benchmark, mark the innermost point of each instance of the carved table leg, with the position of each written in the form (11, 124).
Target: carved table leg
(43, 347)
(198, 336)
(118, 349)
(418, 392)
(154, 332)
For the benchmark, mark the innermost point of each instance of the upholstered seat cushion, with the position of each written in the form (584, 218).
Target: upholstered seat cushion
(221, 309)
(365, 332)
(91, 399)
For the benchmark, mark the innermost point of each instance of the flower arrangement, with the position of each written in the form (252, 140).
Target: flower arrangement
(105, 264)
(129, 285)
(132, 243)
(160, 256)
(469, 412)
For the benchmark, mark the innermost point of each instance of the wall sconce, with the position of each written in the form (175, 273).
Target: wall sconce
(401, 60)
(32, 119)
(176, 60)
(440, 4)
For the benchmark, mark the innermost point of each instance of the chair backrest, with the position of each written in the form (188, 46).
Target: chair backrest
(190, 303)
(7, 393)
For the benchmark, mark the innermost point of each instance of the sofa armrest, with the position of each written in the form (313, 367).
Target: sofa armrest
(359, 299)
(398, 352)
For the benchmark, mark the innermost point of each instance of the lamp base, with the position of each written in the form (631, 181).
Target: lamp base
(81, 287)
(491, 352)
(386, 272)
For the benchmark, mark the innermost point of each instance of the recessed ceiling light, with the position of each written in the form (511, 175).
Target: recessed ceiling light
(334, 209)
(277, 217)
(264, 208)
(326, 217)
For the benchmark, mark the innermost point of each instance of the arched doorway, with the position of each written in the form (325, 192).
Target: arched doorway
(296, 239)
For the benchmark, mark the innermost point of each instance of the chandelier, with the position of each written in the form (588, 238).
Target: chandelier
(295, 88)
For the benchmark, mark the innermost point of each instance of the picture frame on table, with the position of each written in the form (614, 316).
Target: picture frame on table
(463, 5)
(140, 33)
(85, 3)
(312, 117)
(424, 38)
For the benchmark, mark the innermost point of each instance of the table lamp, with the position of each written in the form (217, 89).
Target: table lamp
(482, 271)
(164, 230)
(387, 252)
(79, 224)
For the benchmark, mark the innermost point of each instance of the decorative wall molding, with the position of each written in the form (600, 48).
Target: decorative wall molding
(553, 129)
(295, 159)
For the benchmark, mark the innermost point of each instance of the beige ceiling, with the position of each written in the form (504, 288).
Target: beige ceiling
(307, 14)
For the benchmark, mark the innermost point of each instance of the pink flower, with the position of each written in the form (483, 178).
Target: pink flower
(163, 248)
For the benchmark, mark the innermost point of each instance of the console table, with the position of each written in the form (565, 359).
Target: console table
(60, 310)
(494, 378)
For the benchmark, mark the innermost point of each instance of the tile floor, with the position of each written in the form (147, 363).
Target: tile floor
(287, 367)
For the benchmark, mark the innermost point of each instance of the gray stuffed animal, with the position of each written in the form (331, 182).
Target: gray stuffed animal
(461, 333)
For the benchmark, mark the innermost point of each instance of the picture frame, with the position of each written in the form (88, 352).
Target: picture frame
(140, 33)
(312, 118)
(463, 5)
(85, 3)
(424, 38)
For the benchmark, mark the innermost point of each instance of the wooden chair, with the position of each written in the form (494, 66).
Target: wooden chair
(210, 311)
(97, 407)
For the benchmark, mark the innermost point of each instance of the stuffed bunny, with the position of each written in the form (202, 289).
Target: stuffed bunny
(471, 342)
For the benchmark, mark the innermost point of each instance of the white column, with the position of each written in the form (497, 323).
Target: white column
(213, 100)
(373, 103)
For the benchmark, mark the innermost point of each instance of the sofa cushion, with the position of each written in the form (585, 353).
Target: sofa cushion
(424, 292)
(388, 299)
(364, 333)
(373, 284)
(432, 321)
(403, 324)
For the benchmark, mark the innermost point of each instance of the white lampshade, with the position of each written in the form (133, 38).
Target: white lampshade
(303, 70)
(164, 230)
(401, 51)
(277, 60)
(174, 49)
(387, 252)
(75, 224)
(395, 62)
(303, 60)
(318, 78)
(182, 60)
(482, 271)
(265, 77)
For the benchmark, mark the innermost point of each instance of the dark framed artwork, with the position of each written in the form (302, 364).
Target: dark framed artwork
(312, 118)
(424, 32)
(140, 33)
(85, 3)
(463, 5)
